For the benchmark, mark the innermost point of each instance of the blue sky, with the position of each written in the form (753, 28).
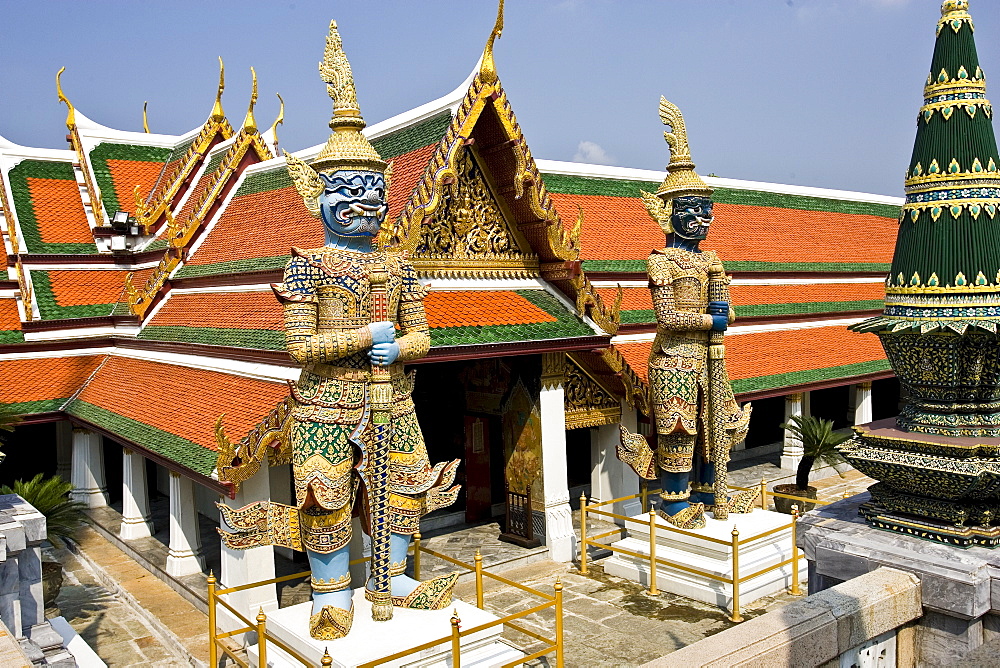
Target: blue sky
(810, 92)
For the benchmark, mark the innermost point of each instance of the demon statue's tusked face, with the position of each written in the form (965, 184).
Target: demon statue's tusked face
(691, 217)
(353, 202)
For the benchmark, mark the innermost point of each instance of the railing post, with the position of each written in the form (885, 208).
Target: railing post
(763, 494)
(479, 580)
(559, 623)
(653, 591)
(327, 660)
(795, 590)
(736, 617)
(261, 638)
(213, 647)
(416, 556)
(456, 641)
(583, 533)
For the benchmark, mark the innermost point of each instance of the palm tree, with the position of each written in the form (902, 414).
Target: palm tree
(819, 445)
(50, 497)
(8, 420)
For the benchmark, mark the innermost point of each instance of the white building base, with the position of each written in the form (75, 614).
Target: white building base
(711, 557)
(370, 640)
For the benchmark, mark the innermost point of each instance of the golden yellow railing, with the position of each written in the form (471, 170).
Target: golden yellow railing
(264, 637)
(735, 580)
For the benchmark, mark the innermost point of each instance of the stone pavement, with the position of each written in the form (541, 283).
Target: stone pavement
(608, 621)
(127, 615)
(110, 626)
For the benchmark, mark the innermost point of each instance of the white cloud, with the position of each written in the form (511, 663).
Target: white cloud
(590, 152)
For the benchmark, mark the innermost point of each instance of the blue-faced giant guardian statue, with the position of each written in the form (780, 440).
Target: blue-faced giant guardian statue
(353, 315)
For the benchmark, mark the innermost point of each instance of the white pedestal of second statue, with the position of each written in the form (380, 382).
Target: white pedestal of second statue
(712, 557)
(370, 640)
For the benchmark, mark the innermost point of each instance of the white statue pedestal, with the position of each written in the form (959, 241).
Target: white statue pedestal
(370, 640)
(712, 557)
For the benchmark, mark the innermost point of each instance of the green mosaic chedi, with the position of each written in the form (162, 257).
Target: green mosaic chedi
(938, 466)
(942, 305)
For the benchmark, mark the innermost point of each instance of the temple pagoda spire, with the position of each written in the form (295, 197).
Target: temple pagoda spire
(948, 245)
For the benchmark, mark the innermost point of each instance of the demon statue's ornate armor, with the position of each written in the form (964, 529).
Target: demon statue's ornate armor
(356, 447)
(695, 413)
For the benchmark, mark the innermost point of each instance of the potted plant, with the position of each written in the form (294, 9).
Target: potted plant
(50, 497)
(819, 445)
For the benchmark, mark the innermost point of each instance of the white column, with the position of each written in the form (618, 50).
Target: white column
(862, 403)
(240, 567)
(184, 554)
(87, 474)
(64, 449)
(610, 477)
(559, 536)
(791, 453)
(135, 497)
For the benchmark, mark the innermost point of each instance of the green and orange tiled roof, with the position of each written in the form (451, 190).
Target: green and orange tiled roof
(267, 209)
(753, 230)
(254, 319)
(80, 293)
(767, 360)
(10, 322)
(172, 410)
(49, 208)
(46, 384)
(118, 168)
(766, 300)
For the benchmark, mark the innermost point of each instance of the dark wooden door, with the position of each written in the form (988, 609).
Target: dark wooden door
(477, 469)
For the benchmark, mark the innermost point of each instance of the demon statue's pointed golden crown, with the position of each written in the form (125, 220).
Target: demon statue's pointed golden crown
(681, 178)
(347, 147)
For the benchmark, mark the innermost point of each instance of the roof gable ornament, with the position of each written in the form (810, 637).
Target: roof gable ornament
(249, 122)
(71, 113)
(218, 114)
(487, 68)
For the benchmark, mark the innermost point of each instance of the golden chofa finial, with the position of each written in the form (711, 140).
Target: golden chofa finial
(335, 70)
(487, 68)
(278, 121)
(145, 119)
(71, 114)
(217, 113)
(250, 123)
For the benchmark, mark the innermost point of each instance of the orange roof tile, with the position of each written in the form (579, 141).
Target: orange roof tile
(619, 228)
(462, 309)
(59, 211)
(127, 174)
(771, 353)
(229, 310)
(9, 316)
(73, 287)
(180, 400)
(239, 233)
(636, 299)
(45, 378)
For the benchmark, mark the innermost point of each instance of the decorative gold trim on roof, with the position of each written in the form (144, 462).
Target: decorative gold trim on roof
(249, 122)
(180, 233)
(256, 447)
(145, 118)
(636, 389)
(280, 120)
(218, 115)
(71, 112)
(487, 67)
(587, 402)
